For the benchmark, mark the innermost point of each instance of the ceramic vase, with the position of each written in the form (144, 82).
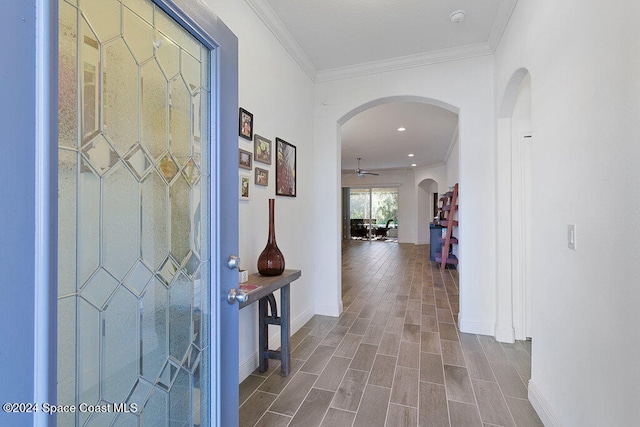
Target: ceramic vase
(271, 260)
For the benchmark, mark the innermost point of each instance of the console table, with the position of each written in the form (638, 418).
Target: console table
(263, 293)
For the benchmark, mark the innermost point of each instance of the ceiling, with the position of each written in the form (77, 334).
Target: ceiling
(373, 136)
(332, 39)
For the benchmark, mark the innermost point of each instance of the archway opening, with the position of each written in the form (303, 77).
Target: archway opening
(514, 210)
(418, 172)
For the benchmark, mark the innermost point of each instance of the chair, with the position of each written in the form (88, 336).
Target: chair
(357, 228)
(382, 231)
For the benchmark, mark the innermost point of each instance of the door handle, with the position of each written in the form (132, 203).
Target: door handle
(233, 262)
(235, 295)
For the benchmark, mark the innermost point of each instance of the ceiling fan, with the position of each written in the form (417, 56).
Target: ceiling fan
(361, 173)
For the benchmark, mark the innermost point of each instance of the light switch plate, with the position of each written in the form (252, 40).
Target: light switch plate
(571, 236)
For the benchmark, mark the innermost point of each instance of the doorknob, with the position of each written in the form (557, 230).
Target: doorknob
(235, 295)
(233, 262)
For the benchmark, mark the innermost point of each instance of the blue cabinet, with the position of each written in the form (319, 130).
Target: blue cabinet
(435, 233)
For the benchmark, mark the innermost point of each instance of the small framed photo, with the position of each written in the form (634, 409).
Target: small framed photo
(262, 149)
(244, 159)
(246, 124)
(244, 183)
(285, 168)
(262, 177)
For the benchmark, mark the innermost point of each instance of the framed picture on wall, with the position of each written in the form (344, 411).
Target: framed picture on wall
(246, 124)
(244, 186)
(262, 149)
(262, 177)
(285, 168)
(244, 159)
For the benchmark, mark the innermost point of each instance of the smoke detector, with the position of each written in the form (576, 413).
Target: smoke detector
(457, 16)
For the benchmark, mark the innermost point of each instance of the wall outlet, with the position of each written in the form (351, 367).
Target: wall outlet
(571, 236)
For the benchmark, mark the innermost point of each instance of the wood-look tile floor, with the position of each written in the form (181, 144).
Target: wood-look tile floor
(394, 357)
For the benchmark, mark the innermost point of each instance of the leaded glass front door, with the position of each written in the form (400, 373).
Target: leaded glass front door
(133, 202)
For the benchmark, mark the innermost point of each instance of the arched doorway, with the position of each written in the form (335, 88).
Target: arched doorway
(416, 185)
(427, 194)
(514, 210)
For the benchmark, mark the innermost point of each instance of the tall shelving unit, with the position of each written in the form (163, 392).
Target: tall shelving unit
(447, 219)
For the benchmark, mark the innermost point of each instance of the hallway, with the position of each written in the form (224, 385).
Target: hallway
(394, 357)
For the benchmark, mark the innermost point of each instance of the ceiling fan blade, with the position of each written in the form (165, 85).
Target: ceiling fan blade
(361, 173)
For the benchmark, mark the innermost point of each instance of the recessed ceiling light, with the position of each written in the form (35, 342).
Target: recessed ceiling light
(411, 155)
(413, 164)
(401, 129)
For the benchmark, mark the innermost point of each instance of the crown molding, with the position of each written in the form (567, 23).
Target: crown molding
(500, 23)
(392, 64)
(280, 31)
(282, 34)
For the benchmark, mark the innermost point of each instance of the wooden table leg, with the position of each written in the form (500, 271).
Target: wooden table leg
(285, 328)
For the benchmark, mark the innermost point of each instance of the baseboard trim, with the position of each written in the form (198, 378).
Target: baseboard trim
(481, 328)
(542, 407)
(506, 335)
(329, 310)
(250, 365)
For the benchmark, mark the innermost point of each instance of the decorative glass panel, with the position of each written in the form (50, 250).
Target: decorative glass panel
(127, 420)
(67, 365)
(138, 34)
(138, 161)
(100, 154)
(153, 92)
(180, 120)
(133, 285)
(88, 224)
(138, 278)
(67, 203)
(175, 32)
(104, 17)
(196, 220)
(155, 230)
(167, 271)
(101, 418)
(179, 316)
(120, 343)
(120, 210)
(156, 409)
(154, 330)
(120, 109)
(191, 172)
(89, 65)
(87, 346)
(190, 68)
(168, 168)
(168, 56)
(68, 75)
(180, 219)
(99, 288)
(142, 8)
(179, 404)
(140, 393)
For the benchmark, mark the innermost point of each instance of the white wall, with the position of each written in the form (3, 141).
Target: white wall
(464, 86)
(453, 163)
(425, 191)
(407, 204)
(280, 95)
(436, 177)
(584, 61)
